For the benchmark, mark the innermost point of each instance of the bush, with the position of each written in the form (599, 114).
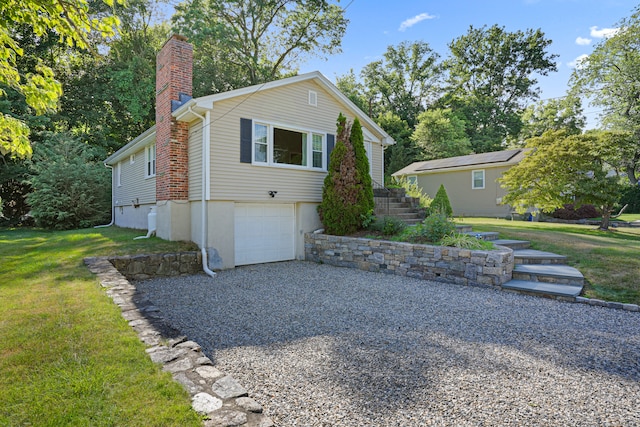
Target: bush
(570, 213)
(347, 194)
(70, 190)
(466, 241)
(411, 189)
(388, 225)
(431, 230)
(440, 204)
(631, 197)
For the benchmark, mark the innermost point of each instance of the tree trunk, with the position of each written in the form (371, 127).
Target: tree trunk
(606, 217)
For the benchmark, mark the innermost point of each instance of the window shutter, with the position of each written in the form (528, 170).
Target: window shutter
(245, 140)
(331, 142)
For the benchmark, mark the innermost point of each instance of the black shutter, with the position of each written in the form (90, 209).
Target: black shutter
(331, 142)
(246, 138)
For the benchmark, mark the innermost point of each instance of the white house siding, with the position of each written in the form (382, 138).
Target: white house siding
(195, 160)
(134, 189)
(286, 106)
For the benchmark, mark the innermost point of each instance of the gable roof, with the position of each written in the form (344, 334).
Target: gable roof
(492, 159)
(186, 110)
(204, 103)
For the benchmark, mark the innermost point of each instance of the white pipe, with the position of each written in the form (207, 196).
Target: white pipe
(151, 224)
(113, 208)
(206, 135)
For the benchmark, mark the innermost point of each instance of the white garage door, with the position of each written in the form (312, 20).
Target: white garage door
(264, 232)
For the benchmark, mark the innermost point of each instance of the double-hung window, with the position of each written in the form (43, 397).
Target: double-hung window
(276, 145)
(477, 179)
(150, 157)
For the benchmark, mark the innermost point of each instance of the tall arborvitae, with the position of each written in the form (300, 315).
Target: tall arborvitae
(440, 204)
(347, 195)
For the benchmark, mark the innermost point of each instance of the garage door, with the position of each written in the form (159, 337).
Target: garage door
(264, 232)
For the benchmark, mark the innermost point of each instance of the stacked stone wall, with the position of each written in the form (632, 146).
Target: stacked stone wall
(140, 267)
(438, 263)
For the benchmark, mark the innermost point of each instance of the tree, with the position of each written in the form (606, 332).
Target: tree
(70, 189)
(347, 199)
(491, 76)
(610, 79)
(244, 42)
(72, 23)
(440, 204)
(562, 168)
(553, 115)
(439, 134)
(404, 151)
(406, 82)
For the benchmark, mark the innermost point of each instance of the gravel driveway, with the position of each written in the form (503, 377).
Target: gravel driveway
(318, 345)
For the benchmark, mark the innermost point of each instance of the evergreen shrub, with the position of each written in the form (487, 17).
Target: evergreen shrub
(440, 204)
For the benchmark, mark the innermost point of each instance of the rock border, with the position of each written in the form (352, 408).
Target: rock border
(218, 397)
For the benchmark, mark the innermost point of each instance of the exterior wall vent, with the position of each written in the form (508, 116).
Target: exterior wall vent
(313, 98)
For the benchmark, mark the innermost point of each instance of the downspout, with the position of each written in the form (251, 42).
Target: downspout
(113, 208)
(206, 136)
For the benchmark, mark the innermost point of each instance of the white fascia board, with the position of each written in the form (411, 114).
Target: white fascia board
(135, 145)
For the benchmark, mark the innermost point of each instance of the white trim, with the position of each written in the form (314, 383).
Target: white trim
(270, 162)
(119, 174)
(473, 179)
(132, 158)
(149, 163)
(313, 98)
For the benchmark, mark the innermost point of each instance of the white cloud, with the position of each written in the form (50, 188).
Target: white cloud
(408, 23)
(603, 32)
(583, 41)
(578, 62)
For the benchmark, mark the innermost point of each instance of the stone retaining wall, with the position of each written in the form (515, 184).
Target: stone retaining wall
(438, 263)
(140, 267)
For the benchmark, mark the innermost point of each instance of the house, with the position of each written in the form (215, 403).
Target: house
(471, 181)
(240, 173)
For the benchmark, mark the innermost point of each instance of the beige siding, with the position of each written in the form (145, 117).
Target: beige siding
(465, 200)
(133, 183)
(377, 160)
(195, 160)
(286, 106)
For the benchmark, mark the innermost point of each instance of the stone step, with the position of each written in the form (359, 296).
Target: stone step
(484, 235)
(464, 228)
(513, 244)
(543, 288)
(558, 274)
(532, 256)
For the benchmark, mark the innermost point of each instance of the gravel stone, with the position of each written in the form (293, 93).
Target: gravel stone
(317, 345)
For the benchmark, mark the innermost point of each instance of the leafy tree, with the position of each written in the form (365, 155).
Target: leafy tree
(70, 189)
(610, 79)
(406, 82)
(440, 204)
(404, 151)
(243, 42)
(440, 134)
(562, 168)
(553, 115)
(491, 76)
(72, 23)
(347, 195)
(355, 91)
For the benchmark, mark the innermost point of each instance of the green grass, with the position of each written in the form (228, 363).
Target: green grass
(609, 261)
(67, 357)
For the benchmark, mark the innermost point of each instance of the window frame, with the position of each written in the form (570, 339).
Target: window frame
(119, 174)
(270, 161)
(473, 179)
(149, 161)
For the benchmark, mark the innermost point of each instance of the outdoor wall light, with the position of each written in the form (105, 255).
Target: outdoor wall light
(272, 193)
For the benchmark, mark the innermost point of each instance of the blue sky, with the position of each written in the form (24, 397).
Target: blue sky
(574, 26)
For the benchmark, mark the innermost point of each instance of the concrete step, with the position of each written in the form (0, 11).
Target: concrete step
(543, 288)
(532, 256)
(484, 235)
(513, 244)
(558, 274)
(394, 211)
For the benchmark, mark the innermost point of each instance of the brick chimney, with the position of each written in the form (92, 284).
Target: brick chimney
(174, 65)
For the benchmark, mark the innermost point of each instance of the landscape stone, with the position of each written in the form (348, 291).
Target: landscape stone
(249, 404)
(227, 387)
(209, 372)
(204, 403)
(227, 418)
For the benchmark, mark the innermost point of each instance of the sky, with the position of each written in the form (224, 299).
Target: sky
(574, 26)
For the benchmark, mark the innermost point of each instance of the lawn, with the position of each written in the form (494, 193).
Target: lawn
(67, 357)
(609, 261)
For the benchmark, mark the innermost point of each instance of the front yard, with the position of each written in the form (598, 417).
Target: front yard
(67, 357)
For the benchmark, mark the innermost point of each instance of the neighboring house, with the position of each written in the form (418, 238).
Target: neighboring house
(257, 156)
(471, 181)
